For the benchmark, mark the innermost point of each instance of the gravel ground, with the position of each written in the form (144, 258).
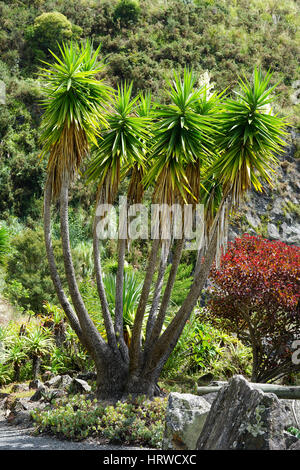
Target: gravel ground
(19, 438)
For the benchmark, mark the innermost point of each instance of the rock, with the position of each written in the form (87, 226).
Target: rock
(79, 386)
(19, 405)
(273, 232)
(293, 409)
(205, 379)
(20, 388)
(65, 382)
(252, 220)
(35, 384)
(210, 397)
(87, 376)
(54, 394)
(242, 417)
(290, 439)
(185, 417)
(3, 399)
(59, 381)
(54, 382)
(295, 446)
(39, 394)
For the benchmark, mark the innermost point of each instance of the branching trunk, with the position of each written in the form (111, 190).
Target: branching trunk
(119, 373)
(167, 293)
(135, 347)
(101, 291)
(157, 291)
(164, 346)
(53, 269)
(119, 299)
(97, 345)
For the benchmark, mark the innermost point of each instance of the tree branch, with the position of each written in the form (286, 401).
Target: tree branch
(93, 337)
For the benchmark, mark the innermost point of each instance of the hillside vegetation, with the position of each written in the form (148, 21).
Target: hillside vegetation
(141, 42)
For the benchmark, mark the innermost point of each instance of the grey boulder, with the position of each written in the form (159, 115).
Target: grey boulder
(185, 417)
(242, 417)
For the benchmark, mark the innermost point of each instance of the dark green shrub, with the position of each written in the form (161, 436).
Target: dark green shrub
(28, 267)
(127, 12)
(48, 30)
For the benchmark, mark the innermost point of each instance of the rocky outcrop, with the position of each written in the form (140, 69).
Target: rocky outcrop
(275, 213)
(79, 386)
(185, 417)
(242, 417)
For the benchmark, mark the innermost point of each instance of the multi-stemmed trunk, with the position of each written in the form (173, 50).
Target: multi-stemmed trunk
(123, 369)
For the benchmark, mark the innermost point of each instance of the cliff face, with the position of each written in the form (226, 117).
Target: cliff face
(275, 214)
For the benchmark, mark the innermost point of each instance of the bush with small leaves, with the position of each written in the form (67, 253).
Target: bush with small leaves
(139, 422)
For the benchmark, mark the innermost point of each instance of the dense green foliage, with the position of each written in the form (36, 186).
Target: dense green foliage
(204, 349)
(137, 422)
(46, 337)
(223, 37)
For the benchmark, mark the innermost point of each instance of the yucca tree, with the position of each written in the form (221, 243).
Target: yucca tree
(121, 147)
(198, 148)
(73, 113)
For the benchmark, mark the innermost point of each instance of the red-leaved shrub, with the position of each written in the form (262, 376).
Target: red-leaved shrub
(256, 293)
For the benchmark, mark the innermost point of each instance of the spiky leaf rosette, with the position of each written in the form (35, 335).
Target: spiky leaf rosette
(251, 138)
(181, 137)
(121, 145)
(73, 104)
(136, 188)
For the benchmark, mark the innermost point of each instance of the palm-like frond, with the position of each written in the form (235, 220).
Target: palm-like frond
(73, 105)
(131, 294)
(251, 138)
(136, 187)
(123, 144)
(181, 137)
(38, 341)
(210, 196)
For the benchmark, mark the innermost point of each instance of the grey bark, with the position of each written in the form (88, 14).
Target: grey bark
(53, 269)
(167, 293)
(168, 340)
(135, 347)
(157, 290)
(119, 299)
(101, 291)
(96, 343)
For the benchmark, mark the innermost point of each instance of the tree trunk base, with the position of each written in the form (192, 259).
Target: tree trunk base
(115, 383)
